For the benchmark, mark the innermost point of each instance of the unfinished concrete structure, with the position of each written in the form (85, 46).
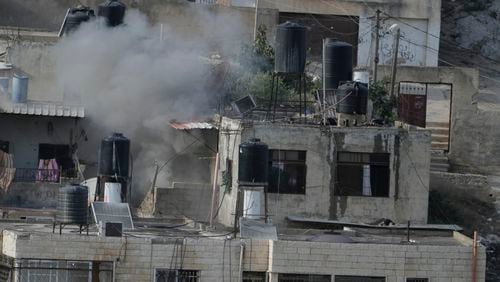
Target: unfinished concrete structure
(404, 162)
(420, 21)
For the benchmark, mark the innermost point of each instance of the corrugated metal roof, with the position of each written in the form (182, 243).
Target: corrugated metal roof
(192, 125)
(43, 109)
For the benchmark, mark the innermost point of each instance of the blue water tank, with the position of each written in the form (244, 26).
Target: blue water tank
(20, 88)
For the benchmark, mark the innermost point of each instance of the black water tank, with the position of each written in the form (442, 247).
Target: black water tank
(338, 63)
(72, 205)
(362, 89)
(253, 163)
(77, 16)
(113, 11)
(346, 98)
(114, 156)
(290, 48)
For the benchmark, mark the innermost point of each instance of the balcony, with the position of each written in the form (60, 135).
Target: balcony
(44, 175)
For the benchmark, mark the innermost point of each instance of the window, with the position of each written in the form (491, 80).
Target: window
(30, 270)
(363, 174)
(417, 279)
(287, 172)
(172, 275)
(341, 278)
(303, 278)
(4, 146)
(253, 276)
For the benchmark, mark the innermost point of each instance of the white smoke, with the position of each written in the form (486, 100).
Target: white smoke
(131, 82)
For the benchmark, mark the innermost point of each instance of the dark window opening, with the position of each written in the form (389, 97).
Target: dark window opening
(342, 278)
(417, 279)
(363, 174)
(172, 275)
(303, 278)
(287, 173)
(253, 276)
(4, 146)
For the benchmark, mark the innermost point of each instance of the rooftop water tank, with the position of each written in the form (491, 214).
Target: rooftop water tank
(352, 98)
(113, 11)
(77, 16)
(72, 205)
(338, 63)
(290, 48)
(20, 88)
(114, 156)
(253, 163)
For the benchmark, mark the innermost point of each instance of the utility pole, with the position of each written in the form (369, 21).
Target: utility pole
(255, 27)
(324, 85)
(395, 61)
(377, 39)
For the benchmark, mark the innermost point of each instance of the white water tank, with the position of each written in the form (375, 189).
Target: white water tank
(252, 204)
(112, 192)
(361, 76)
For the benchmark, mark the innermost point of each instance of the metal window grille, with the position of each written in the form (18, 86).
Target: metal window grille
(303, 278)
(342, 278)
(29, 270)
(253, 276)
(417, 279)
(172, 275)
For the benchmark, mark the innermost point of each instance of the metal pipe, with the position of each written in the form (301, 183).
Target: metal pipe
(474, 258)
(242, 251)
(255, 27)
(214, 188)
(324, 85)
(408, 232)
(377, 39)
(395, 62)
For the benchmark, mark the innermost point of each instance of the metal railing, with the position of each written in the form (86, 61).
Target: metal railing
(43, 175)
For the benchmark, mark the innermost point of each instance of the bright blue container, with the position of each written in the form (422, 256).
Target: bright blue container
(19, 88)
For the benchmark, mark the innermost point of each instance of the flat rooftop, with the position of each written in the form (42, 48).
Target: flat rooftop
(162, 230)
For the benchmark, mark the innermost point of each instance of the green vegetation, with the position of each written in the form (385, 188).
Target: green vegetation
(383, 103)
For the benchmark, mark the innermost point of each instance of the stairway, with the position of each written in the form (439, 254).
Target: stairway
(439, 161)
(440, 132)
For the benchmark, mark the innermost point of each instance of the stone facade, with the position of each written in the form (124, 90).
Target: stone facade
(216, 259)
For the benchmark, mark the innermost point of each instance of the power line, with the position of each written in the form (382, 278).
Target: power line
(442, 39)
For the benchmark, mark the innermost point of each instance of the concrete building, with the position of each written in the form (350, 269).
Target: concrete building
(325, 179)
(354, 22)
(31, 252)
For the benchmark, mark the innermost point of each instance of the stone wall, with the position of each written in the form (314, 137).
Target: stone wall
(31, 195)
(193, 203)
(218, 259)
(473, 130)
(395, 262)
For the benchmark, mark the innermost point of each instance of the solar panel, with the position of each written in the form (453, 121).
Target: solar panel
(257, 230)
(112, 212)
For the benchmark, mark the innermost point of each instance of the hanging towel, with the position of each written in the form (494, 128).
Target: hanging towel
(7, 170)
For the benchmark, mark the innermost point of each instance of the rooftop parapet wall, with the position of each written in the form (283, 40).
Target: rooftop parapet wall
(446, 259)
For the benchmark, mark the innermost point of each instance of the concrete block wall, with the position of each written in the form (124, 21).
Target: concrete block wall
(395, 262)
(215, 258)
(136, 258)
(193, 203)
